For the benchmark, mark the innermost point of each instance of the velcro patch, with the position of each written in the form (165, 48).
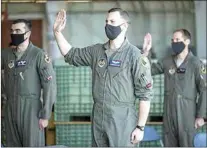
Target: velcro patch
(203, 69)
(49, 78)
(21, 63)
(47, 59)
(144, 61)
(149, 85)
(116, 63)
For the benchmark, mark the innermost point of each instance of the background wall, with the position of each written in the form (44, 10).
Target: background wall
(85, 22)
(200, 23)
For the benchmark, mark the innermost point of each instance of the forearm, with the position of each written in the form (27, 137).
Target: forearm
(146, 54)
(49, 98)
(63, 44)
(201, 106)
(144, 107)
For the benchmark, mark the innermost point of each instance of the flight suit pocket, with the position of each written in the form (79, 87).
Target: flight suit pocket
(169, 79)
(119, 72)
(118, 113)
(181, 76)
(187, 112)
(46, 74)
(29, 80)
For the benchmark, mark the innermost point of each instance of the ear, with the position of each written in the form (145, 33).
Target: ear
(28, 34)
(187, 41)
(125, 26)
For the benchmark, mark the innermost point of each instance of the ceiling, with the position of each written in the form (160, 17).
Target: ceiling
(43, 1)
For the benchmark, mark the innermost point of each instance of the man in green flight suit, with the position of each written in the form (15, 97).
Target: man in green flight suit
(185, 77)
(120, 75)
(27, 69)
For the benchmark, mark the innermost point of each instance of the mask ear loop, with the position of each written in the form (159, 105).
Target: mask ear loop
(25, 33)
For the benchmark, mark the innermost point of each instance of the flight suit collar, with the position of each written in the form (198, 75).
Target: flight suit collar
(189, 55)
(124, 45)
(30, 46)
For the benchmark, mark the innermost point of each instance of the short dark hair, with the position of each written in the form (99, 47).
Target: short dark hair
(124, 14)
(28, 23)
(186, 34)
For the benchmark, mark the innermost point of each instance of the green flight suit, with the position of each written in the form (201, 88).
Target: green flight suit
(117, 81)
(24, 79)
(181, 107)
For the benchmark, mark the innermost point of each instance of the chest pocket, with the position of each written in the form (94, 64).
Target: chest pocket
(181, 76)
(25, 68)
(181, 73)
(101, 65)
(119, 70)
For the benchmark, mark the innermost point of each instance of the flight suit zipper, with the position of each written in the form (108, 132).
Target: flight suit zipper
(14, 95)
(107, 74)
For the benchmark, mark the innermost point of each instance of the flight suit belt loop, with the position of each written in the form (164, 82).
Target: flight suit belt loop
(115, 103)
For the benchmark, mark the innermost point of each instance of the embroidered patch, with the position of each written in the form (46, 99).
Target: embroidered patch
(47, 59)
(11, 64)
(49, 78)
(21, 63)
(116, 63)
(149, 85)
(172, 70)
(144, 61)
(101, 63)
(203, 69)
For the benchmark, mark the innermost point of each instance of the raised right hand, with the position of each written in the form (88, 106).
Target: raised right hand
(60, 21)
(147, 45)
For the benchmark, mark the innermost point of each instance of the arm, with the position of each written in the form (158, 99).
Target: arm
(3, 95)
(74, 56)
(3, 54)
(48, 83)
(201, 87)
(63, 44)
(143, 84)
(58, 27)
(156, 68)
(80, 56)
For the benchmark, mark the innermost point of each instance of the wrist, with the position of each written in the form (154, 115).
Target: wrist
(141, 128)
(56, 32)
(145, 53)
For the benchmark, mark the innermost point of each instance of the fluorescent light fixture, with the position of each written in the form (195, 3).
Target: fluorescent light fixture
(79, 1)
(17, 1)
(45, 1)
(41, 1)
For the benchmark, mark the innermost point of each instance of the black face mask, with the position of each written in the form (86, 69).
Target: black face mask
(17, 39)
(112, 31)
(178, 47)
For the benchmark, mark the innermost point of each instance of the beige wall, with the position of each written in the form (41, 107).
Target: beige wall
(85, 21)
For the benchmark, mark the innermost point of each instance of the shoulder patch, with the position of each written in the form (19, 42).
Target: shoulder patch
(145, 61)
(203, 69)
(47, 59)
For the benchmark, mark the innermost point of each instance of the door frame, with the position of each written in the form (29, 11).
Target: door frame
(33, 16)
